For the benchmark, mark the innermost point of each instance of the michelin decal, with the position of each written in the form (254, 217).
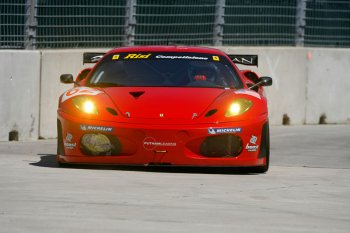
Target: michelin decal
(224, 130)
(96, 128)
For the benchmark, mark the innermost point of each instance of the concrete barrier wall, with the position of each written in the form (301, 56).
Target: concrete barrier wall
(19, 93)
(55, 63)
(306, 84)
(328, 85)
(288, 69)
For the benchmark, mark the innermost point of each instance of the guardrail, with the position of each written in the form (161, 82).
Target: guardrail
(41, 24)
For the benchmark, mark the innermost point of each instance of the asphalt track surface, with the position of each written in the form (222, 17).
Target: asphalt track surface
(306, 190)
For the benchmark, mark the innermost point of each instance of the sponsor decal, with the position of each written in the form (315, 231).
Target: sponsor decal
(96, 128)
(242, 60)
(251, 146)
(216, 58)
(68, 143)
(224, 130)
(137, 56)
(96, 58)
(253, 139)
(115, 57)
(250, 60)
(92, 57)
(69, 137)
(79, 91)
(181, 57)
(150, 143)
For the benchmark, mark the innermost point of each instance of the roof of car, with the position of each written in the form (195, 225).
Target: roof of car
(172, 48)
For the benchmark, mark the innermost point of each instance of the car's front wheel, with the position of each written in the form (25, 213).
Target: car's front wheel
(60, 147)
(264, 150)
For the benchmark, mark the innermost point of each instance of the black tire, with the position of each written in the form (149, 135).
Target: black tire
(265, 144)
(60, 147)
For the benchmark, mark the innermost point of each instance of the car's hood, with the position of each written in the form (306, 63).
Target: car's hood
(162, 102)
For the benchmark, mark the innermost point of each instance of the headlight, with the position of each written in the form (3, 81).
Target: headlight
(238, 107)
(85, 105)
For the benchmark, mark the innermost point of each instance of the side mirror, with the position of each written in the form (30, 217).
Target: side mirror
(266, 81)
(82, 75)
(263, 81)
(251, 76)
(66, 78)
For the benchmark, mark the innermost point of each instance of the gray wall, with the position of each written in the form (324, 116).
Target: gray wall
(308, 82)
(55, 63)
(19, 93)
(288, 68)
(328, 86)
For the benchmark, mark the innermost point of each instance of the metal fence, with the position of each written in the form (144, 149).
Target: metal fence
(327, 23)
(44, 24)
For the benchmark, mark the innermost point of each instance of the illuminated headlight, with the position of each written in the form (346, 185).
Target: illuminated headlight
(238, 107)
(85, 105)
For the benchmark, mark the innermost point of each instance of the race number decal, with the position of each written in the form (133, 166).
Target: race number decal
(79, 91)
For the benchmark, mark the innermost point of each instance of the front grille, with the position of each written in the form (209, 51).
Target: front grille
(225, 145)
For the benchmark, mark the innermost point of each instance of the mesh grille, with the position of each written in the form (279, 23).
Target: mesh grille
(221, 146)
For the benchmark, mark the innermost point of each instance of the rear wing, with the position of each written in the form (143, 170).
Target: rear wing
(248, 60)
(92, 57)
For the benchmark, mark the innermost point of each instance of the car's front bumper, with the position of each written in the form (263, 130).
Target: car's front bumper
(144, 144)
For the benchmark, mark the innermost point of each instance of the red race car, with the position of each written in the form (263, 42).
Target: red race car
(165, 105)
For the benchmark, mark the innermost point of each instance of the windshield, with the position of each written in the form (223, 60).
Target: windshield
(165, 69)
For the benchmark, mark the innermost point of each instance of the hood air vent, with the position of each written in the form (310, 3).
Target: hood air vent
(136, 94)
(211, 112)
(112, 111)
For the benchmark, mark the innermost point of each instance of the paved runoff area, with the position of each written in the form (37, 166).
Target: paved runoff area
(306, 190)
